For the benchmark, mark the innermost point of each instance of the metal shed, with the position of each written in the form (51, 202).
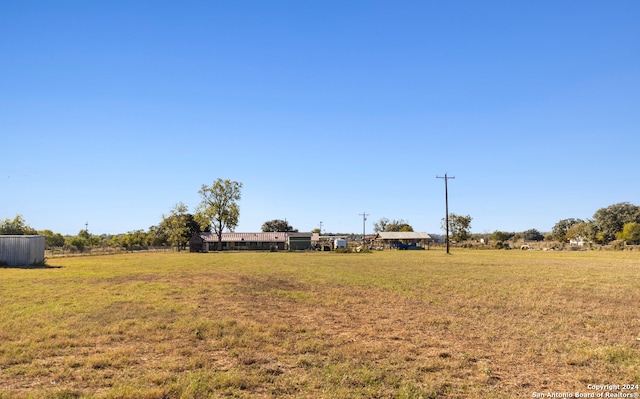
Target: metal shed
(21, 250)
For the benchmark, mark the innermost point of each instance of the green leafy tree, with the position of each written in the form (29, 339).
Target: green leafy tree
(136, 239)
(219, 206)
(17, 226)
(560, 229)
(459, 226)
(82, 240)
(581, 230)
(532, 235)
(157, 236)
(277, 225)
(381, 225)
(500, 236)
(77, 242)
(611, 220)
(52, 239)
(176, 227)
(116, 241)
(630, 233)
(385, 224)
(399, 225)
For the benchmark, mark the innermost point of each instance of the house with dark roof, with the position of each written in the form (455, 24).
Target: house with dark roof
(205, 242)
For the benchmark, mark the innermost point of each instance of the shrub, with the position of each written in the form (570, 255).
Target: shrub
(343, 250)
(618, 245)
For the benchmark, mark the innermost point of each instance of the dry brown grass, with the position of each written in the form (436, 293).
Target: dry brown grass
(490, 324)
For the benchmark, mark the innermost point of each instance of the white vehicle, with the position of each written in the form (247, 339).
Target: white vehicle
(339, 243)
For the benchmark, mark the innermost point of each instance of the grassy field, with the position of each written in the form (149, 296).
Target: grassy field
(410, 324)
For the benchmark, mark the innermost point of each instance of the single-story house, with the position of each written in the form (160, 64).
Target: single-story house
(204, 242)
(402, 239)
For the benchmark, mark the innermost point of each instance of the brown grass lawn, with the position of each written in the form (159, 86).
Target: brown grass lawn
(408, 324)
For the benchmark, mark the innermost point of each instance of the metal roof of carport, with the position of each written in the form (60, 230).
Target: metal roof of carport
(402, 235)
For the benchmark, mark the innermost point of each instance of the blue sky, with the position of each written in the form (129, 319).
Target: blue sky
(112, 112)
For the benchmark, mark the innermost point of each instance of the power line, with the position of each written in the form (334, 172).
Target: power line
(446, 199)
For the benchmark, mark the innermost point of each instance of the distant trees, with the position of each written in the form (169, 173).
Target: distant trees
(385, 224)
(219, 210)
(83, 240)
(136, 239)
(52, 239)
(459, 226)
(179, 226)
(561, 229)
(16, 226)
(606, 225)
(500, 236)
(580, 230)
(630, 232)
(157, 237)
(532, 235)
(219, 206)
(612, 219)
(380, 225)
(277, 225)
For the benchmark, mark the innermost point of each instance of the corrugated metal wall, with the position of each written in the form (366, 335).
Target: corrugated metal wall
(22, 250)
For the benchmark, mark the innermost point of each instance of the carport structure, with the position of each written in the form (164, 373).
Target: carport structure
(400, 239)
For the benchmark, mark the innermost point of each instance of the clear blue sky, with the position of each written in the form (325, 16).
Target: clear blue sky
(111, 112)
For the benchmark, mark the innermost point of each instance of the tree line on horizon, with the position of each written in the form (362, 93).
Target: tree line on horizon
(219, 211)
(618, 222)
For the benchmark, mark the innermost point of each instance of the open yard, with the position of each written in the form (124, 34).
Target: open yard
(406, 324)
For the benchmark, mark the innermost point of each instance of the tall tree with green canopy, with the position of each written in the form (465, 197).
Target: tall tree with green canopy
(560, 229)
(611, 220)
(385, 224)
(219, 206)
(459, 226)
(277, 225)
(175, 225)
(179, 226)
(581, 230)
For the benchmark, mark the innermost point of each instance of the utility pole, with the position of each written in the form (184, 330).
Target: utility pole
(446, 199)
(320, 228)
(364, 219)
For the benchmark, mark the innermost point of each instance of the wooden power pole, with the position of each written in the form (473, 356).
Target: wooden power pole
(446, 199)
(364, 219)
